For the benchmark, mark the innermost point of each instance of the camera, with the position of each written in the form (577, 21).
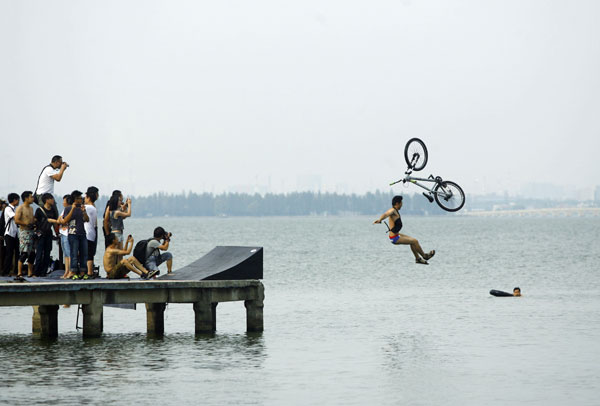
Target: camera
(167, 235)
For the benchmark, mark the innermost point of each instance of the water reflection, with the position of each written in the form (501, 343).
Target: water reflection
(121, 362)
(406, 349)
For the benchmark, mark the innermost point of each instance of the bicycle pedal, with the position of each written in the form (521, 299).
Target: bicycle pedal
(428, 197)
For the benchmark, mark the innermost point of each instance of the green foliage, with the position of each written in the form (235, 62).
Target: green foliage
(291, 204)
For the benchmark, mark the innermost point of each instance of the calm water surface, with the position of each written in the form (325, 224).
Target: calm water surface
(349, 319)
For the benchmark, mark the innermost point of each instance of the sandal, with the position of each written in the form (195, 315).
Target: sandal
(421, 261)
(427, 257)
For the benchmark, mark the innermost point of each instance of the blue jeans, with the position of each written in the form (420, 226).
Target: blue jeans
(42, 255)
(64, 242)
(79, 248)
(154, 261)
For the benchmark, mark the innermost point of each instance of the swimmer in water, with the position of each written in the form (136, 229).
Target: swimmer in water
(517, 291)
(401, 239)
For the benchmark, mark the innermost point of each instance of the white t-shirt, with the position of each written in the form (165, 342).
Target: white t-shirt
(90, 226)
(11, 228)
(46, 182)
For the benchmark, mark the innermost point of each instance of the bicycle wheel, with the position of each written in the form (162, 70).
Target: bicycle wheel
(415, 154)
(449, 196)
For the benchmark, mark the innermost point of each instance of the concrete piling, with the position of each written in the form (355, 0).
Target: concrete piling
(155, 318)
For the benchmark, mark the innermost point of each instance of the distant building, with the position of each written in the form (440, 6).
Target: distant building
(597, 194)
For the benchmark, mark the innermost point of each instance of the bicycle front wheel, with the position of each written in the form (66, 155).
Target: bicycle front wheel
(415, 154)
(449, 196)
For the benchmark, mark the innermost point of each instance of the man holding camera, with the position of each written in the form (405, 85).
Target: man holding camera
(49, 174)
(153, 255)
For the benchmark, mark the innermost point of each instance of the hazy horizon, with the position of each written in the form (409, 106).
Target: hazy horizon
(277, 97)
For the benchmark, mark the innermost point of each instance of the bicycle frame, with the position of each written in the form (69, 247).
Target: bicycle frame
(431, 179)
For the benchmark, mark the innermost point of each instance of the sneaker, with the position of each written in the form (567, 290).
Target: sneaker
(152, 274)
(75, 277)
(86, 277)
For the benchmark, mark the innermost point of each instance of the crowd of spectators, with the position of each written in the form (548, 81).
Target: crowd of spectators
(28, 236)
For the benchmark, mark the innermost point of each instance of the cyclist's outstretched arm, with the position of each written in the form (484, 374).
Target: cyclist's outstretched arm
(384, 216)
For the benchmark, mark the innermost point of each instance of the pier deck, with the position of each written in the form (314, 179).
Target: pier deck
(46, 297)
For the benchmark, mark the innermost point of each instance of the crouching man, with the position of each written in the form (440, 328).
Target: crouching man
(119, 270)
(153, 255)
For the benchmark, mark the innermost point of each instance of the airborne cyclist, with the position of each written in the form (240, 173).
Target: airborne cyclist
(401, 239)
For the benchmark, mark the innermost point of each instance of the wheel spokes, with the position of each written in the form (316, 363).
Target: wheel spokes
(416, 151)
(449, 196)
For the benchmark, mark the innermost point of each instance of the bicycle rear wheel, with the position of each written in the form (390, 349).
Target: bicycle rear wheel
(449, 196)
(415, 154)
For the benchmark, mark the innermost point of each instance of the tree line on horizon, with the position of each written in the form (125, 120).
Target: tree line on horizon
(271, 204)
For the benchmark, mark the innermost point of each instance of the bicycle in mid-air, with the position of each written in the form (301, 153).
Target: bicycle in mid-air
(447, 194)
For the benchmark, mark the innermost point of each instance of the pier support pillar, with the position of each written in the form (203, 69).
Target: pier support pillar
(93, 316)
(254, 311)
(36, 321)
(45, 321)
(206, 317)
(155, 318)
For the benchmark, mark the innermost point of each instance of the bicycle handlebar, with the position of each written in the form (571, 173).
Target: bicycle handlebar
(398, 181)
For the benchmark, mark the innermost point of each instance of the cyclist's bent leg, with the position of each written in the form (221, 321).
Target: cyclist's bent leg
(414, 244)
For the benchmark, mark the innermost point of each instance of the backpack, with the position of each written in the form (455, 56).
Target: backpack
(3, 224)
(139, 252)
(45, 227)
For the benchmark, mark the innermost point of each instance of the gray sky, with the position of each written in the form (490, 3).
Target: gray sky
(149, 96)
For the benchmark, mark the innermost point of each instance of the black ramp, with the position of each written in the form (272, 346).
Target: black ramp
(223, 263)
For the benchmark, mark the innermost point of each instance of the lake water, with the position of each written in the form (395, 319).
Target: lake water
(349, 319)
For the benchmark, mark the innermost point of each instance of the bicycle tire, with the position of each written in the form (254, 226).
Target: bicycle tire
(416, 150)
(457, 196)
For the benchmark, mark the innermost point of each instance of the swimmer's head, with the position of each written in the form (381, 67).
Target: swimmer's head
(517, 291)
(397, 202)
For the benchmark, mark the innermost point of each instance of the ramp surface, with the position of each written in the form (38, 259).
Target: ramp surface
(223, 263)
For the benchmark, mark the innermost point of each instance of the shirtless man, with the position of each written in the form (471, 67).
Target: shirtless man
(119, 270)
(26, 222)
(401, 239)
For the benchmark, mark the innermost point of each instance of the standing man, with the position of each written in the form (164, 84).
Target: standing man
(77, 237)
(401, 239)
(11, 235)
(3, 206)
(26, 222)
(45, 220)
(91, 227)
(49, 174)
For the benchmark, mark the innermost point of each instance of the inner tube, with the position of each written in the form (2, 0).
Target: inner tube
(499, 293)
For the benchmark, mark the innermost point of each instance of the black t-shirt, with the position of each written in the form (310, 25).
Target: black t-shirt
(42, 220)
(76, 226)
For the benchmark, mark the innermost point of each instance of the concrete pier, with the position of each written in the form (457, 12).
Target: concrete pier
(93, 295)
(45, 321)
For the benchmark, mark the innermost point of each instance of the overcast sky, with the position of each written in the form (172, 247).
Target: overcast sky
(149, 96)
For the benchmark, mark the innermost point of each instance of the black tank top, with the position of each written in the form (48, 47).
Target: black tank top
(397, 224)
